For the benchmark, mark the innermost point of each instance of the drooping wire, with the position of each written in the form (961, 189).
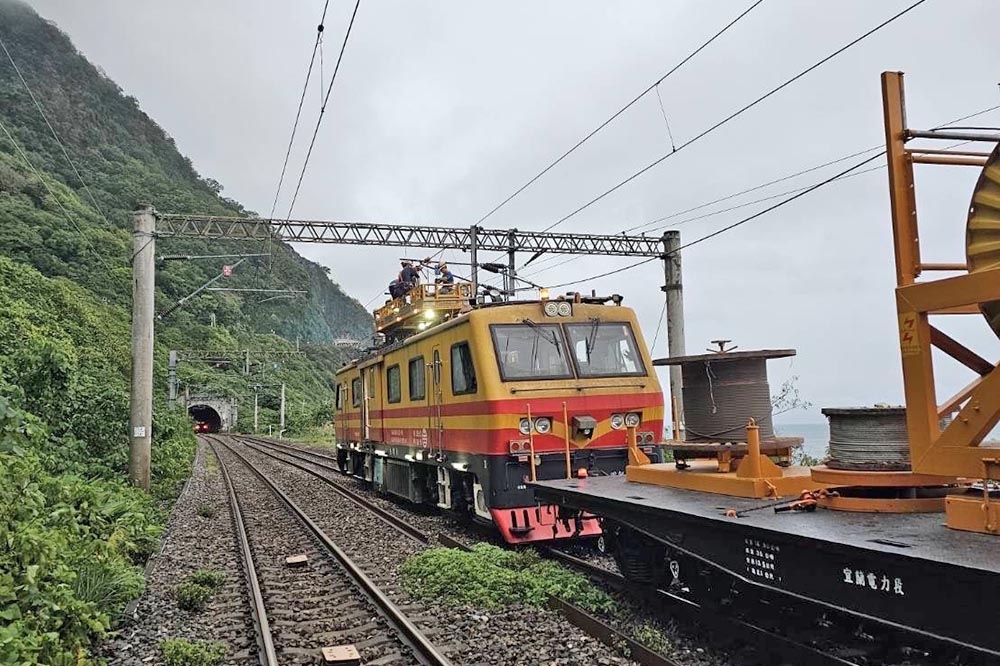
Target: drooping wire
(703, 216)
(732, 116)
(659, 325)
(673, 145)
(45, 183)
(618, 113)
(298, 112)
(734, 225)
(55, 135)
(539, 265)
(295, 126)
(322, 109)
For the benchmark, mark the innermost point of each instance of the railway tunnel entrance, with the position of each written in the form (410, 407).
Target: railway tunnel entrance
(206, 419)
(212, 412)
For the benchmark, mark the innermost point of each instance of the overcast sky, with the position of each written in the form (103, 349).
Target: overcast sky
(442, 109)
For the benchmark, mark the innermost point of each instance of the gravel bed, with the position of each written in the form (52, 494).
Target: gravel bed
(192, 542)
(512, 636)
(315, 605)
(684, 642)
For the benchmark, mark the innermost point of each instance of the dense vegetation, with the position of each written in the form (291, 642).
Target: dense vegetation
(73, 536)
(489, 577)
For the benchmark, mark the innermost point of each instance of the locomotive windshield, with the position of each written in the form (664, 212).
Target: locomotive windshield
(530, 351)
(604, 349)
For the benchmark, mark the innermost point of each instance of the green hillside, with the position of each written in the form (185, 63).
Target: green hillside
(73, 536)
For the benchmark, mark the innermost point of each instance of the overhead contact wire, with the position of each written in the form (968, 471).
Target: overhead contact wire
(735, 115)
(58, 201)
(298, 112)
(801, 172)
(734, 225)
(618, 112)
(55, 136)
(322, 109)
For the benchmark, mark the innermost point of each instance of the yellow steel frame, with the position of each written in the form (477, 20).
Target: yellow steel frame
(954, 451)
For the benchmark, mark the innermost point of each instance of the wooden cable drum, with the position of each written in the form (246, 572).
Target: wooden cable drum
(982, 234)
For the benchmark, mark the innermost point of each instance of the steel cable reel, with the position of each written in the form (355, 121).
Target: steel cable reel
(982, 234)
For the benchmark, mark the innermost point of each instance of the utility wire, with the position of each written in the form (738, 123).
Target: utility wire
(727, 210)
(322, 109)
(735, 115)
(801, 172)
(743, 221)
(69, 217)
(617, 113)
(55, 136)
(298, 112)
(659, 324)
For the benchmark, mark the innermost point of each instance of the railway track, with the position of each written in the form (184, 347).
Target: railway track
(330, 601)
(588, 623)
(776, 644)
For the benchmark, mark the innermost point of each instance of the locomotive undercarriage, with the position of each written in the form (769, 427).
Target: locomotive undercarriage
(489, 489)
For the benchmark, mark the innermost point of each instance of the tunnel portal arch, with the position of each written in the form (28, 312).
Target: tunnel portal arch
(212, 413)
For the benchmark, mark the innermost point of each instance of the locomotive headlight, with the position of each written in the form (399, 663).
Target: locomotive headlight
(617, 421)
(543, 425)
(565, 309)
(633, 419)
(551, 309)
(525, 426)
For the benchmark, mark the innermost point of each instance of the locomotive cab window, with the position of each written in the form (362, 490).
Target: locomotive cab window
(463, 373)
(605, 349)
(417, 378)
(530, 351)
(339, 401)
(393, 384)
(356, 392)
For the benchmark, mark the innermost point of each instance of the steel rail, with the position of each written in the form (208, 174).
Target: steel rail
(767, 640)
(393, 521)
(589, 624)
(409, 633)
(262, 628)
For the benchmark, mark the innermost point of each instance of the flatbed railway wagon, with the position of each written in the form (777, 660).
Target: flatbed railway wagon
(465, 404)
(896, 537)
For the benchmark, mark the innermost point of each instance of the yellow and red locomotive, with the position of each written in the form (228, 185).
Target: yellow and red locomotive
(464, 405)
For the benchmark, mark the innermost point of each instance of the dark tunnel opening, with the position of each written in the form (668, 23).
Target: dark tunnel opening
(206, 419)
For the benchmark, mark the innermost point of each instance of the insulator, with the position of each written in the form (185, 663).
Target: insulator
(722, 395)
(869, 438)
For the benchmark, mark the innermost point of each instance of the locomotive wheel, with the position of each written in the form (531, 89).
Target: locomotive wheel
(639, 558)
(982, 232)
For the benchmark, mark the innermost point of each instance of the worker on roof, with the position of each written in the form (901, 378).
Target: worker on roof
(406, 281)
(443, 275)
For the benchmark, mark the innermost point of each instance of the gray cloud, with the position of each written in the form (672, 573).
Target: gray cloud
(444, 108)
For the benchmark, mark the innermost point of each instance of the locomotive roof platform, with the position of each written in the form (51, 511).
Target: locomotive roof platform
(918, 535)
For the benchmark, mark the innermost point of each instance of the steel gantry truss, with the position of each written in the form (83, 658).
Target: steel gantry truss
(149, 225)
(400, 235)
(471, 239)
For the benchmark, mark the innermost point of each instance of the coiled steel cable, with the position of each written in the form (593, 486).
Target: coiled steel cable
(720, 397)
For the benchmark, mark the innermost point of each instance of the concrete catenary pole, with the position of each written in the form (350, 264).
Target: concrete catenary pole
(474, 258)
(673, 289)
(141, 398)
(256, 411)
(281, 427)
(172, 379)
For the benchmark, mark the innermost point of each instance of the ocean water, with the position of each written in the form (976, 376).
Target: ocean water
(816, 435)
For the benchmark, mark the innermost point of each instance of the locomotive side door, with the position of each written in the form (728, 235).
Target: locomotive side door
(437, 427)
